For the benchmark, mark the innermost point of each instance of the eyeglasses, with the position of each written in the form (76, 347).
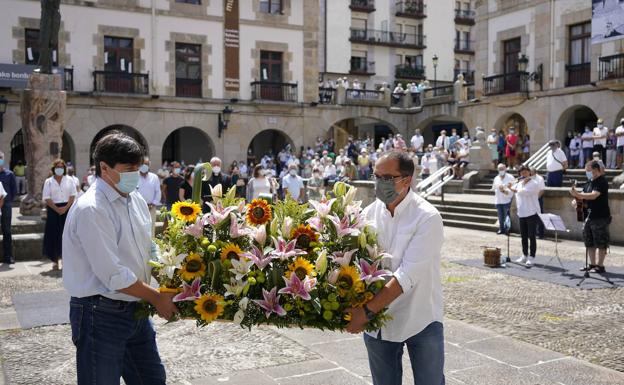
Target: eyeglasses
(387, 178)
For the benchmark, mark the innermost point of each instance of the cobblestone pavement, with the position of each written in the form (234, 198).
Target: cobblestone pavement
(586, 324)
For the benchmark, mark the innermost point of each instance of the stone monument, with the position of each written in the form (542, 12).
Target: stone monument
(43, 112)
(480, 153)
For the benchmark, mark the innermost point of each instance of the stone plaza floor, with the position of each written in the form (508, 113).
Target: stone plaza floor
(499, 329)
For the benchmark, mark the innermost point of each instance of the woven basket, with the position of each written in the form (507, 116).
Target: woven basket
(491, 256)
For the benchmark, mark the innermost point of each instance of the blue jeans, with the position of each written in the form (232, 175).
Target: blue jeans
(111, 343)
(426, 352)
(503, 213)
(555, 179)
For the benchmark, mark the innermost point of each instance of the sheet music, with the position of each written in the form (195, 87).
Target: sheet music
(552, 222)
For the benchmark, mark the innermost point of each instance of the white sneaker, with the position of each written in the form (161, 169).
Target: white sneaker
(522, 259)
(530, 261)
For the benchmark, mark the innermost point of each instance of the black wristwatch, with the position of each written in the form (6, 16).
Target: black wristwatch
(369, 314)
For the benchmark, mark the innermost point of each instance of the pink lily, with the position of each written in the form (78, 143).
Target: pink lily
(189, 292)
(370, 273)
(259, 235)
(237, 230)
(323, 208)
(285, 250)
(270, 303)
(343, 258)
(343, 226)
(298, 288)
(258, 257)
(217, 213)
(316, 223)
(196, 229)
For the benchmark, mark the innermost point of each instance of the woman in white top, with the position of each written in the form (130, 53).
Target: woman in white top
(259, 184)
(527, 201)
(59, 192)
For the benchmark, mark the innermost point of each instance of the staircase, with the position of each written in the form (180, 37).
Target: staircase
(467, 211)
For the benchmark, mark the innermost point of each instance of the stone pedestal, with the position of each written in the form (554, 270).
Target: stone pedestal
(480, 157)
(618, 180)
(43, 119)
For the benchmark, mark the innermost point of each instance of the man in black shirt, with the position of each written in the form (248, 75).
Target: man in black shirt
(217, 177)
(172, 185)
(596, 228)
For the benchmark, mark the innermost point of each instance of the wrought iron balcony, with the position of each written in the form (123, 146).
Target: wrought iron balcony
(465, 46)
(411, 9)
(362, 67)
(611, 67)
(120, 82)
(468, 74)
(506, 83)
(465, 16)
(578, 74)
(284, 92)
(387, 38)
(190, 88)
(406, 71)
(367, 6)
(327, 95)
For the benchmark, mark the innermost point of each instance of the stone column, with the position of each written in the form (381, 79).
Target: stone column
(480, 153)
(43, 120)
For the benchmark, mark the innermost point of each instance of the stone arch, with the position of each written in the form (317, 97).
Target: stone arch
(512, 119)
(574, 119)
(188, 144)
(270, 140)
(130, 131)
(431, 127)
(360, 127)
(618, 117)
(68, 150)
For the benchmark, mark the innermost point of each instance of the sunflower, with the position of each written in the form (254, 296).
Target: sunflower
(186, 211)
(193, 267)
(348, 279)
(230, 251)
(301, 267)
(258, 212)
(209, 306)
(304, 235)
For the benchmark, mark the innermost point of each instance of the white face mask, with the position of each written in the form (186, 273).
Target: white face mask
(292, 172)
(144, 168)
(216, 170)
(502, 172)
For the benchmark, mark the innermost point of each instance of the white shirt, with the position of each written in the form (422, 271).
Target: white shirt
(293, 184)
(552, 158)
(417, 142)
(260, 186)
(58, 192)
(500, 197)
(465, 152)
(149, 188)
(540, 182)
(588, 143)
(527, 198)
(329, 171)
(106, 243)
(620, 139)
(604, 131)
(575, 146)
(443, 142)
(2, 193)
(413, 237)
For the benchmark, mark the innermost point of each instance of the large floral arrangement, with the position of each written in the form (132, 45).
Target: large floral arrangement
(279, 263)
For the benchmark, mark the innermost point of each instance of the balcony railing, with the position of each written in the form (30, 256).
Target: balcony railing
(611, 67)
(506, 83)
(387, 38)
(406, 71)
(468, 74)
(578, 74)
(189, 88)
(120, 82)
(362, 5)
(354, 96)
(411, 9)
(68, 78)
(464, 46)
(465, 16)
(361, 67)
(285, 92)
(327, 95)
(444, 90)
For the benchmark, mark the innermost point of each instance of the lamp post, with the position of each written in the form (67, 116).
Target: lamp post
(435, 74)
(3, 107)
(224, 119)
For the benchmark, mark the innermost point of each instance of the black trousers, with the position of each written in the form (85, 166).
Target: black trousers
(5, 221)
(528, 227)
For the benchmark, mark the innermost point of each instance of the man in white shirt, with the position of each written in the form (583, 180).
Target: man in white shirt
(106, 248)
(527, 203)
(556, 164)
(149, 188)
(502, 197)
(492, 142)
(588, 145)
(575, 150)
(292, 184)
(443, 142)
(600, 139)
(329, 172)
(417, 142)
(619, 135)
(410, 230)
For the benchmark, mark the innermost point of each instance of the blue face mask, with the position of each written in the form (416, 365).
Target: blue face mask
(128, 181)
(589, 175)
(59, 171)
(1, 162)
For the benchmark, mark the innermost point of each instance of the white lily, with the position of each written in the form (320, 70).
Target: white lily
(241, 267)
(216, 191)
(171, 261)
(240, 314)
(287, 227)
(235, 288)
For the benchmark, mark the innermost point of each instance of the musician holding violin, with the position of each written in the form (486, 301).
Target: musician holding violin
(593, 208)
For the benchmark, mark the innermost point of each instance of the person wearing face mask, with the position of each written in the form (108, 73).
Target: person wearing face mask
(258, 185)
(410, 230)
(315, 185)
(619, 143)
(600, 139)
(527, 203)
(575, 150)
(172, 185)
(443, 141)
(186, 188)
(492, 142)
(502, 197)
(556, 164)
(292, 184)
(106, 249)
(7, 179)
(59, 193)
(149, 188)
(588, 145)
(511, 143)
(217, 177)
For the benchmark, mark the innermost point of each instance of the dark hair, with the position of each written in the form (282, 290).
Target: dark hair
(116, 148)
(188, 172)
(256, 170)
(523, 168)
(596, 165)
(406, 164)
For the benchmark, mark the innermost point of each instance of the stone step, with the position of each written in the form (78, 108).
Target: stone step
(479, 191)
(27, 226)
(478, 219)
(470, 225)
(27, 247)
(468, 209)
(460, 203)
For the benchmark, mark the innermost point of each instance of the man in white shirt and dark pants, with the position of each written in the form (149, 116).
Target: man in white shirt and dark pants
(106, 249)
(292, 184)
(149, 188)
(619, 135)
(527, 191)
(409, 229)
(600, 140)
(502, 197)
(556, 164)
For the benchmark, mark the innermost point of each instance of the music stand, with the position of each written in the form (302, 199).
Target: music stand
(554, 223)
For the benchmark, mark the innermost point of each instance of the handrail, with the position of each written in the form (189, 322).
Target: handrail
(438, 186)
(538, 159)
(432, 178)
